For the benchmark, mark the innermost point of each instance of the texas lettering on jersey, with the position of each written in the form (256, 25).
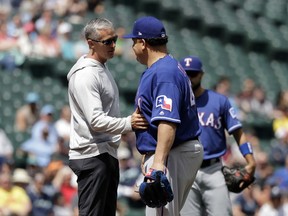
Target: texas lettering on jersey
(210, 120)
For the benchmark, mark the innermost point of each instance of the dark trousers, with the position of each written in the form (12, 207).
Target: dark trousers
(98, 179)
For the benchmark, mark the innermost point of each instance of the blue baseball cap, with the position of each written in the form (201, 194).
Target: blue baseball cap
(32, 97)
(191, 63)
(47, 109)
(147, 27)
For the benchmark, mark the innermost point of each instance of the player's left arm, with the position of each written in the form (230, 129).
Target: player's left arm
(165, 139)
(246, 150)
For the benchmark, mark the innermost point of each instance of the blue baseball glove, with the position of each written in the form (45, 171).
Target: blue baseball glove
(157, 192)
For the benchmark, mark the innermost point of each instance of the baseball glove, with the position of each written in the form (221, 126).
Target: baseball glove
(157, 192)
(237, 179)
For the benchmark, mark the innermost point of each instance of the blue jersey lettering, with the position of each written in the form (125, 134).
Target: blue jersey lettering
(215, 115)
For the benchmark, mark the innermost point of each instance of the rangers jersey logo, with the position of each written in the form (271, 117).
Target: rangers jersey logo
(164, 102)
(233, 112)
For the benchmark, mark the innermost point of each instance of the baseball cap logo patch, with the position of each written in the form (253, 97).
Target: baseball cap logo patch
(188, 61)
(191, 63)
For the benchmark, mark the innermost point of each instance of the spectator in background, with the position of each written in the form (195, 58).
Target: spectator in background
(50, 172)
(77, 11)
(96, 6)
(14, 26)
(247, 89)
(6, 153)
(63, 123)
(65, 41)
(279, 148)
(129, 173)
(244, 97)
(45, 45)
(62, 126)
(45, 20)
(282, 100)
(223, 86)
(39, 149)
(21, 178)
(46, 121)
(44, 138)
(80, 47)
(60, 207)
(276, 205)
(21, 205)
(257, 105)
(28, 114)
(10, 55)
(260, 105)
(42, 203)
(245, 203)
(61, 152)
(123, 46)
(280, 123)
(280, 176)
(264, 168)
(29, 14)
(65, 183)
(61, 8)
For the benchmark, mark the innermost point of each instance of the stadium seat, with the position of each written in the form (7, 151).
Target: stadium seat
(213, 25)
(276, 11)
(170, 10)
(254, 7)
(256, 39)
(151, 7)
(234, 31)
(190, 15)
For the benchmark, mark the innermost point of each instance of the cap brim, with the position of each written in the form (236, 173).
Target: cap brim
(192, 70)
(129, 36)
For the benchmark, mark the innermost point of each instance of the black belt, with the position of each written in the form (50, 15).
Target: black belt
(209, 162)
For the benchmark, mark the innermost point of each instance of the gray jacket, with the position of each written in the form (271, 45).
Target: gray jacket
(96, 126)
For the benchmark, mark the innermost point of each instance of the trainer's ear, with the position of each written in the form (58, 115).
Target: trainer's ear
(90, 44)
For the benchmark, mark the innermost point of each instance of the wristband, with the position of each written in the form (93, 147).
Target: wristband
(246, 148)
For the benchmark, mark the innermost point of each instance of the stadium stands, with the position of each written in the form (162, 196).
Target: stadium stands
(235, 38)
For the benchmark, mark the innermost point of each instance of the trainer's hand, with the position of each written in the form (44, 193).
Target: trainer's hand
(138, 121)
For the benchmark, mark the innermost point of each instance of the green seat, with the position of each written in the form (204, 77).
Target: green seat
(254, 7)
(256, 40)
(190, 15)
(168, 7)
(234, 31)
(151, 7)
(276, 11)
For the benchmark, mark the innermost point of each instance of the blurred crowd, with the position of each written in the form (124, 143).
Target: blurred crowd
(41, 29)
(45, 29)
(35, 178)
(269, 194)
